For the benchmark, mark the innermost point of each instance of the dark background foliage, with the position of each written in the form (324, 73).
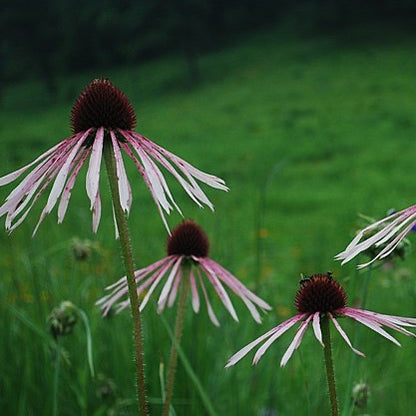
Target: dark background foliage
(49, 37)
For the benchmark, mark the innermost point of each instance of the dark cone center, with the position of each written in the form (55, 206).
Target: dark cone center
(101, 104)
(320, 293)
(188, 239)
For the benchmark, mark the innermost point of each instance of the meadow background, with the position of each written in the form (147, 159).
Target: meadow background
(308, 128)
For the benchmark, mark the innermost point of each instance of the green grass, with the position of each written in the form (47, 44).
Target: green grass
(306, 133)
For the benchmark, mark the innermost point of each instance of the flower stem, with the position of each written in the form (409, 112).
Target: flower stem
(56, 376)
(129, 265)
(329, 364)
(170, 380)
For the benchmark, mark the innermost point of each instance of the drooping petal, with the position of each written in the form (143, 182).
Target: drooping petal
(393, 226)
(62, 175)
(155, 283)
(211, 313)
(372, 324)
(46, 170)
(139, 274)
(194, 293)
(280, 330)
(220, 290)
(295, 342)
(122, 180)
(245, 350)
(147, 182)
(175, 287)
(168, 285)
(344, 335)
(386, 320)
(234, 284)
(119, 291)
(66, 194)
(317, 328)
(60, 181)
(4, 180)
(151, 171)
(193, 189)
(207, 178)
(93, 173)
(96, 212)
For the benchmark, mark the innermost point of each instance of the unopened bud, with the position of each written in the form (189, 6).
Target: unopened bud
(62, 319)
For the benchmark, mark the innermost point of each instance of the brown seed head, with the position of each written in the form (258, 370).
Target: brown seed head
(101, 104)
(320, 293)
(188, 239)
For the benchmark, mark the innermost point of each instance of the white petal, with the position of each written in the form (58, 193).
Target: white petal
(93, 173)
(317, 328)
(295, 342)
(123, 182)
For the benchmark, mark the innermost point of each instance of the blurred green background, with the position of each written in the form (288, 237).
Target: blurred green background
(307, 112)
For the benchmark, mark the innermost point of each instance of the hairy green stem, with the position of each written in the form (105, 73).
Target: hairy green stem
(329, 365)
(170, 379)
(129, 265)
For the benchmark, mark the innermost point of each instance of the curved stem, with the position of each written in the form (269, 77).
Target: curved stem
(129, 265)
(329, 364)
(56, 376)
(170, 380)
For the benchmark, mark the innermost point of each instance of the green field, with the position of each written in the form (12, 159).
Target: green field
(307, 133)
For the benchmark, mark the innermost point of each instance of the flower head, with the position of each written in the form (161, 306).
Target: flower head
(382, 238)
(101, 116)
(321, 297)
(187, 258)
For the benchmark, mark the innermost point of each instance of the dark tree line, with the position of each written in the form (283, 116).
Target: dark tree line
(48, 37)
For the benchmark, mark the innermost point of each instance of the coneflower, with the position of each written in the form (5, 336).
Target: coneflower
(101, 116)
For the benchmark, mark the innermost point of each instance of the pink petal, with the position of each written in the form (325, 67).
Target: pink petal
(147, 182)
(166, 288)
(139, 274)
(211, 313)
(153, 177)
(211, 264)
(389, 321)
(220, 290)
(234, 284)
(46, 169)
(279, 331)
(4, 180)
(62, 175)
(123, 182)
(344, 335)
(66, 194)
(175, 287)
(295, 342)
(155, 283)
(244, 351)
(372, 324)
(193, 189)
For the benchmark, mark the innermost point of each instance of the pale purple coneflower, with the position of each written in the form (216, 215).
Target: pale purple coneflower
(101, 115)
(321, 297)
(187, 246)
(384, 235)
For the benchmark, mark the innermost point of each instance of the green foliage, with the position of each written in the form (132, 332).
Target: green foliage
(336, 119)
